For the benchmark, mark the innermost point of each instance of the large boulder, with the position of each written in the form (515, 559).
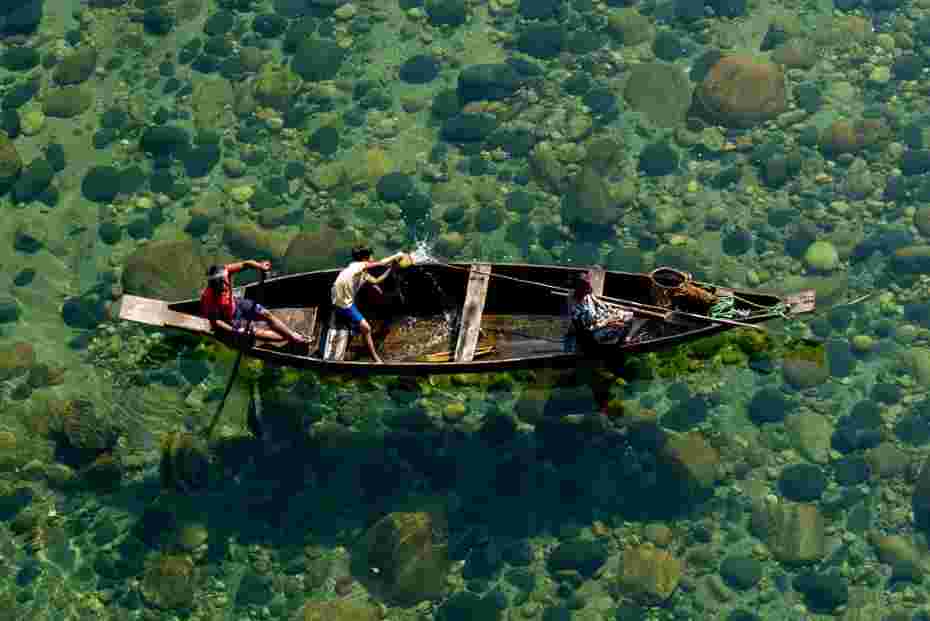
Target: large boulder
(794, 532)
(589, 204)
(170, 582)
(250, 240)
(660, 91)
(16, 359)
(649, 574)
(403, 552)
(741, 91)
(67, 101)
(694, 462)
(322, 249)
(338, 610)
(76, 67)
(169, 270)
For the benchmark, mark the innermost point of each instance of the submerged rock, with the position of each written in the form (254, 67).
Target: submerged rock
(649, 574)
(794, 532)
(169, 582)
(339, 610)
(185, 462)
(402, 551)
(741, 91)
(660, 91)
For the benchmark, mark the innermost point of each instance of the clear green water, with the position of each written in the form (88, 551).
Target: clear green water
(498, 497)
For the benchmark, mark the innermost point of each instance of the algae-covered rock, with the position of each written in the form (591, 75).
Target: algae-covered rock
(82, 431)
(630, 27)
(185, 462)
(794, 532)
(10, 161)
(67, 101)
(806, 367)
(212, 99)
(403, 551)
(650, 575)
(916, 362)
(822, 256)
(339, 610)
(168, 270)
(170, 581)
(16, 359)
(742, 91)
(249, 240)
(275, 86)
(76, 66)
(316, 250)
(660, 91)
(695, 462)
(810, 435)
(589, 203)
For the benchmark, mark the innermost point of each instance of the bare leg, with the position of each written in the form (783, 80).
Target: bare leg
(281, 328)
(269, 335)
(365, 328)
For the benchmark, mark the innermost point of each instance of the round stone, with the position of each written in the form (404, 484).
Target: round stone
(32, 122)
(802, 482)
(242, 193)
(822, 256)
(741, 91)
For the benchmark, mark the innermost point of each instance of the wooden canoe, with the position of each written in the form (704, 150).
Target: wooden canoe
(464, 318)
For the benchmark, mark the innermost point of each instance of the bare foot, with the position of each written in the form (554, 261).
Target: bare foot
(379, 360)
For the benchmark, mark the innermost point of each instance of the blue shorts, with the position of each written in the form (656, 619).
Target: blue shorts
(349, 317)
(246, 310)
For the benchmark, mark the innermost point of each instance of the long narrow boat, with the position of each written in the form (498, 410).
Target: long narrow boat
(468, 317)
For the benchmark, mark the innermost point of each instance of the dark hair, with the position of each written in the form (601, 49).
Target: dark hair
(215, 277)
(360, 253)
(582, 282)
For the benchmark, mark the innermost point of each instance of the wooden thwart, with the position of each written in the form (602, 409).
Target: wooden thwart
(472, 311)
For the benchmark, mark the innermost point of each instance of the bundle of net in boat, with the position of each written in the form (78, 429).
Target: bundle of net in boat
(672, 288)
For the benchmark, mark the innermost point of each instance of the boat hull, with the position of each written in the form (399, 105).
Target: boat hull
(511, 316)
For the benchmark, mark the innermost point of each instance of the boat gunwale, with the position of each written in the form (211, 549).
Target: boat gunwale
(554, 359)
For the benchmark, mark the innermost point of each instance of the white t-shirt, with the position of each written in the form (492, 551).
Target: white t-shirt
(348, 282)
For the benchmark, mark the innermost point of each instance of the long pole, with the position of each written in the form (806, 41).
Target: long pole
(208, 431)
(644, 309)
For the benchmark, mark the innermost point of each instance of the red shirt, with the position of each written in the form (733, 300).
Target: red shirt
(219, 306)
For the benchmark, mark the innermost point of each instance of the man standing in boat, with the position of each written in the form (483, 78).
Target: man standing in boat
(347, 286)
(232, 313)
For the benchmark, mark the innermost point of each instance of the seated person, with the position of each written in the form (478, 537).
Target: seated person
(232, 313)
(604, 324)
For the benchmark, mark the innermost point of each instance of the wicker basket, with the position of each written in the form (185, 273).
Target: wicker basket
(675, 289)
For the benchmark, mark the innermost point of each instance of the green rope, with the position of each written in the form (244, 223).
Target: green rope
(725, 308)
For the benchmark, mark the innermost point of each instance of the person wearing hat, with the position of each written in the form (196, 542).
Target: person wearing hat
(595, 321)
(232, 313)
(347, 286)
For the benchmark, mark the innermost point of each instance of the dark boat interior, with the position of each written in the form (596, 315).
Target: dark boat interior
(417, 313)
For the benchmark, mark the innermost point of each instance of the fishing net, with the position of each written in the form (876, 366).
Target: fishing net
(672, 288)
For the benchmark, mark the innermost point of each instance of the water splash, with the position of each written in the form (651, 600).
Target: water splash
(422, 253)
